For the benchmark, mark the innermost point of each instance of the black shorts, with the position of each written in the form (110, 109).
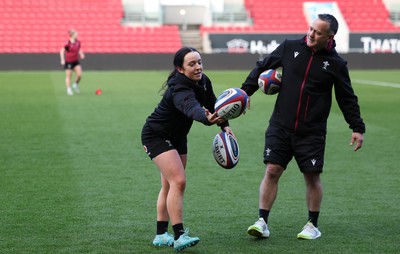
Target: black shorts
(281, 146)
(155, 145)
(71, 65)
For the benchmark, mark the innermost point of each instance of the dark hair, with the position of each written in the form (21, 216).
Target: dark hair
(333, 24)
(178, 62)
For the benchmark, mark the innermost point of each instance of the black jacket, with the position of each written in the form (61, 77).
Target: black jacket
(304, 101)
(182, 102)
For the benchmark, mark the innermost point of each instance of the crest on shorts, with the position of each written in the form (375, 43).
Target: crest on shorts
(313, 161)
(268, 151)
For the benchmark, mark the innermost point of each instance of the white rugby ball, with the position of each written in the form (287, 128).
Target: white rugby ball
(231, 103)
(269, 81)
(226, 150)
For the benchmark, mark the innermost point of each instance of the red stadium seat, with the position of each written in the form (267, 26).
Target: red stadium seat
(269, 15)
(99, 24)
(365, 15)
(97, 21)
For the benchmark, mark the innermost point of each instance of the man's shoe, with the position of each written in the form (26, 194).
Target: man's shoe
(165, 239)
(185, 241)
(259, 229)
(309, 232)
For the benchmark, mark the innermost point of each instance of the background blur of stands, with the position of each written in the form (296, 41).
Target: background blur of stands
(130, 30)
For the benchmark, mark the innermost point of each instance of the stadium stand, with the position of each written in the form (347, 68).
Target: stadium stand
(289, 20)
(41, 26)
(367, 16)
(287, 16)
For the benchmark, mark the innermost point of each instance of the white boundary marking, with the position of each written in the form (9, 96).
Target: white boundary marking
(376, 83)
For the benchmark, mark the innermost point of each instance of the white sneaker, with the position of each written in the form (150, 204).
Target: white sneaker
(259, 229)
(76, 88)
(69, 91)
(309, 232)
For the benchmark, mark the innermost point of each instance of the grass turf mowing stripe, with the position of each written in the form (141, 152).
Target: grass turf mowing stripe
(103, 133)
(35, 180)
(99, 133)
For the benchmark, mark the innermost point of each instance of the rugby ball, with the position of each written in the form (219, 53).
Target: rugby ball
(231, 103)
(225, 149)
(270, 81)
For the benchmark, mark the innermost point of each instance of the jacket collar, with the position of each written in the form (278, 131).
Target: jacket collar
(180, 78)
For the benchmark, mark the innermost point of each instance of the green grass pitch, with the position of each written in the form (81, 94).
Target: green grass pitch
(74, 177)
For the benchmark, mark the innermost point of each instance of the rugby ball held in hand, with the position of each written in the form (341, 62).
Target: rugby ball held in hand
(231, 103)
(226, 150)
(270, 81)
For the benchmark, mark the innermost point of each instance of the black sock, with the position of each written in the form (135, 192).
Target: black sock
(162, 227)
(178, 230)
(263, 214)
(313, 218)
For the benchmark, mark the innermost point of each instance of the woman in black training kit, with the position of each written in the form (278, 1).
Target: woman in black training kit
(188, 96)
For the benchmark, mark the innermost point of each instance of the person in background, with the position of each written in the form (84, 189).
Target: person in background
(188, 97)
(311, 67)
(69, 55)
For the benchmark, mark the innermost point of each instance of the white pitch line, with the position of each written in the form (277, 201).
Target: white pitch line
(376, 83)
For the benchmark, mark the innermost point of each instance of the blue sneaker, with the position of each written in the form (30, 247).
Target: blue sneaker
(165, 239)
(185, 241)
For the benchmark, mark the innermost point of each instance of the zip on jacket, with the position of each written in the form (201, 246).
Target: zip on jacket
(301, 94)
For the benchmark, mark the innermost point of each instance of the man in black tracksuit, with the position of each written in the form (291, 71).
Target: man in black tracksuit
(310, 67)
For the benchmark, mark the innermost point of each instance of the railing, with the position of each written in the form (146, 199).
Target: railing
(395, 17)
(136, 17)
(394, 13)
(141, 18)
(231, 17)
